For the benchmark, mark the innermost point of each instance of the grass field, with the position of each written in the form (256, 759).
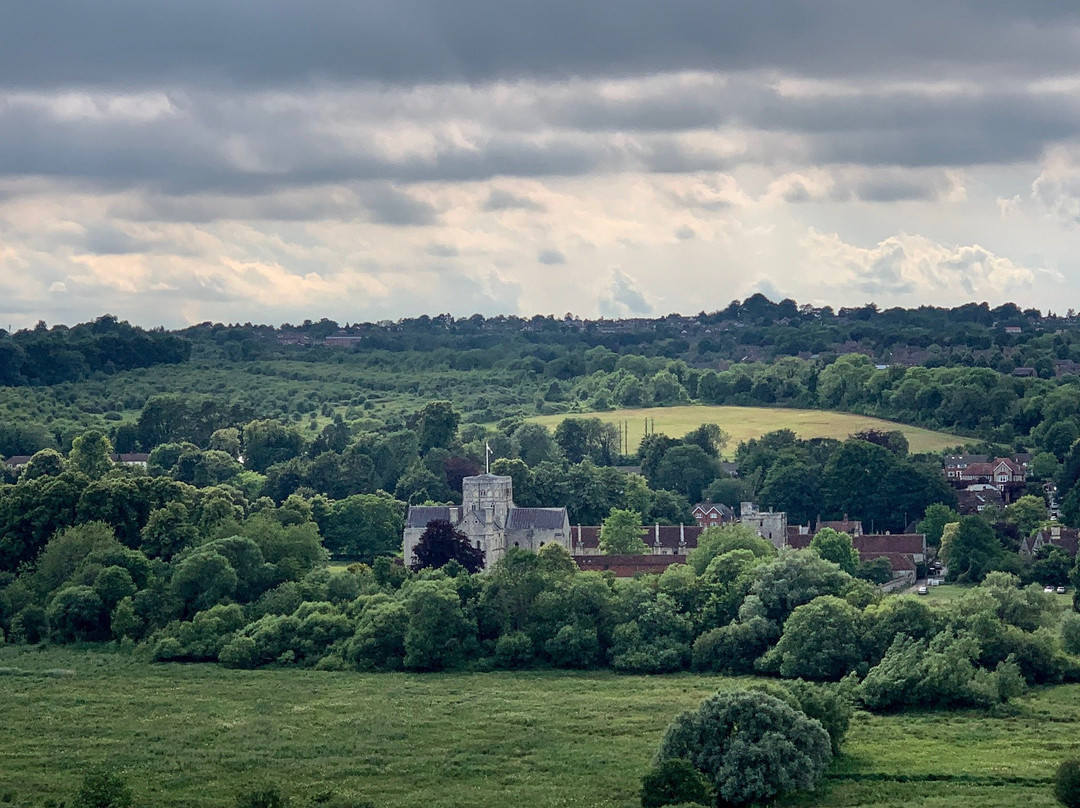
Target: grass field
(197, 734)
(743, 423)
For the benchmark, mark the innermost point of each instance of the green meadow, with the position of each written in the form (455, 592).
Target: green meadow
(743, 423)
(196, 735)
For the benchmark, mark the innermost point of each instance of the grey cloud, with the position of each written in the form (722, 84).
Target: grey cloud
(501, 199)
(238, 42)
(685, 233)
(395, 207)
(437, 250)
(551, 256)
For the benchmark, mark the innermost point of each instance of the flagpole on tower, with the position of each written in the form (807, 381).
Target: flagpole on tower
(487, 458)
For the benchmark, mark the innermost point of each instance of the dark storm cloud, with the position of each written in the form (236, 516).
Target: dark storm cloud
(244, 42)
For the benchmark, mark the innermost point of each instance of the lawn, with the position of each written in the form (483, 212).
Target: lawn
(192, 735)
(743, 423)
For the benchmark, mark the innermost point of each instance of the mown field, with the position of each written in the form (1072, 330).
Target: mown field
(743, 423)
(197, 734)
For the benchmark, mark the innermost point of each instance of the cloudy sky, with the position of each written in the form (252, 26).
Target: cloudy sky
(270, 161)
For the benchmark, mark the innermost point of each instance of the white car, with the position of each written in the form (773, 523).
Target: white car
(1049, 589)
(923, 590)
(1061, 590)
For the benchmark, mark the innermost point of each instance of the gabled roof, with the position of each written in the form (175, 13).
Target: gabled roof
(671, 536)
(889, 543)
(420, 515)
(17, 460)
(536, 518)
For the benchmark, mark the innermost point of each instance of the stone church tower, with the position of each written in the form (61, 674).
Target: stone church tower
(490, 519)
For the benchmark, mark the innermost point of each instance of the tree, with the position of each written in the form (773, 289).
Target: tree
(363, 526)
(46, 463)
(836, 547)
(91, 454)
(267, 443)
(533, 444)
(792, 486)
(436, 425)
(750, 746)
(103, 788)
(621, 534)
(1027, 513)
(821, 640)
(794, 578)
(1067, 783)
(709, 437)
(674, 782)
(439, 633)
(685, 468)
(933, 522)
(971, 551)
(441, 543)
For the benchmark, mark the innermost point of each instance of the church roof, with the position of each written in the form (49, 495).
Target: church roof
(420, 515)
(536, 518)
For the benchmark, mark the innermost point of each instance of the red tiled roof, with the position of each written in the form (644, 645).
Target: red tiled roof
(626, 566)
(876, 544)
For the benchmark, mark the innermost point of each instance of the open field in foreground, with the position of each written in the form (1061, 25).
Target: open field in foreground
(198, 734)
(743, 423)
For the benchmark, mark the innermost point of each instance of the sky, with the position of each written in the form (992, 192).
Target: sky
(268, 161)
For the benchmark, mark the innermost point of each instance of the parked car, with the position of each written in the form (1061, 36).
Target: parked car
(1049, 589)
(923, 590)
(1061, 590)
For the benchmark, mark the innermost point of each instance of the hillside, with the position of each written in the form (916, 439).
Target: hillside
(743, 423)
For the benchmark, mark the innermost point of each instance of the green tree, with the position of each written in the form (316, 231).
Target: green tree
(268, 442)
(836, 547)
(534, 444)
(46, 463)
(750, 746)
(621, 534)
(674, 782)
(1067, 783)
(822, 640)
(436, 425)
(439, 633)
(971, 551)
(168, 530)
(91, 454)
(1027, 513)
(103, 788)
(685, 468)
(933, 522)
(363, 526)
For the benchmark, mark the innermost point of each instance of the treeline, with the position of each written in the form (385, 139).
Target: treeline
(260, 594)
(60, 354)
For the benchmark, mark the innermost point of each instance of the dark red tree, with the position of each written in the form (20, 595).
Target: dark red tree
(441, 543)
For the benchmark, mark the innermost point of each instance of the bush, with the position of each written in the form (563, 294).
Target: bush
(1067, 783)
(514, 650)
(750, 746)
(1070, 633)
(672, 782)
(103, 789)
(574, 646)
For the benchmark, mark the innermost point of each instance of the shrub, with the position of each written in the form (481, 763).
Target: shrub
(1067, 783)
(1070, 633)
(674, 781)
(102, 788)
(750, 746)
(734, 647)
(574, 646)
(513, 650)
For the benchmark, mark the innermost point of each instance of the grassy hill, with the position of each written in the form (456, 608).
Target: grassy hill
(743, 423)
(196, 735)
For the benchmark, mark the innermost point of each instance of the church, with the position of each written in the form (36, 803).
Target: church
(491, 520)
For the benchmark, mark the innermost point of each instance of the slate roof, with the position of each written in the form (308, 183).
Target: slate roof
(536, 518)
(588, 536)
(17, 460)
(420, 515)
(889, 543)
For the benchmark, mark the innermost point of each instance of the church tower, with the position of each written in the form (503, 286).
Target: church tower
(488, 499)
